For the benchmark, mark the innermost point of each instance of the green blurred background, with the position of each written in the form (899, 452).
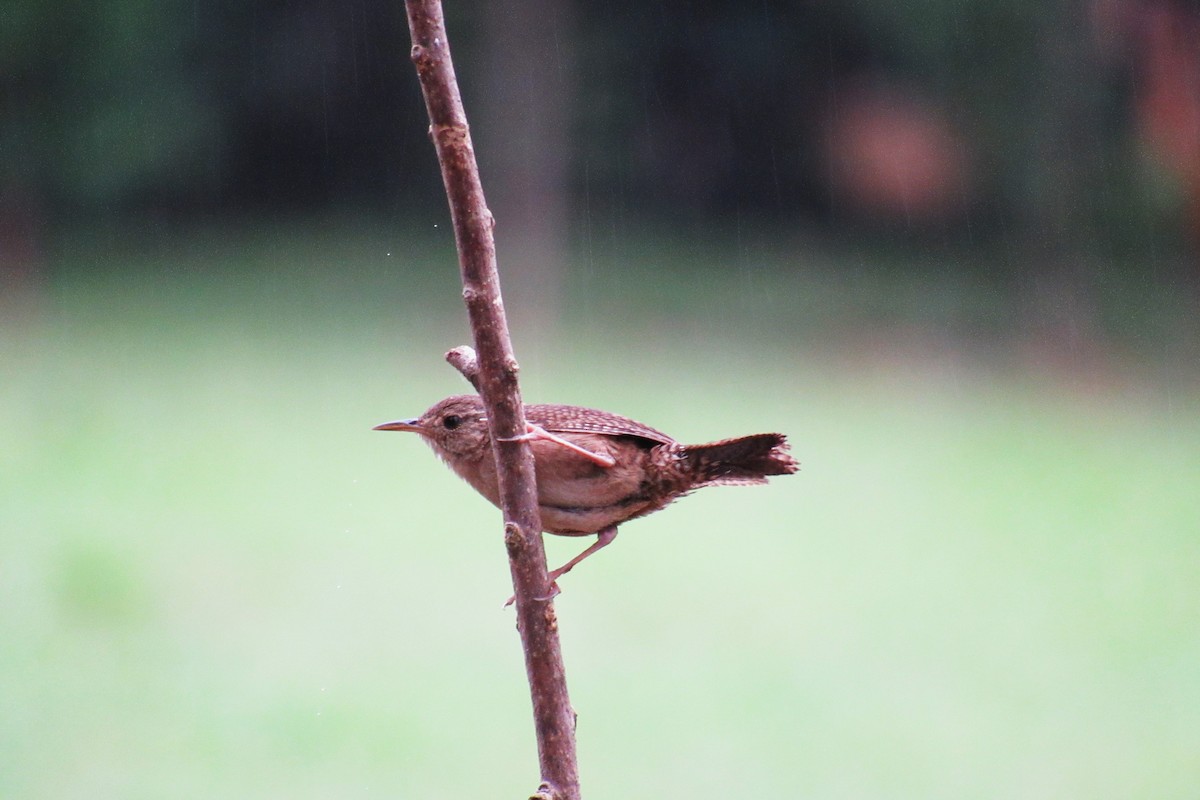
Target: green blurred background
(949, 248)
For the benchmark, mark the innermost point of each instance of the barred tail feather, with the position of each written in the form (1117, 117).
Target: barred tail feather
(745, 460)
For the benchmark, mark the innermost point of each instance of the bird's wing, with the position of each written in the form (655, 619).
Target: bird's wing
(573, 419)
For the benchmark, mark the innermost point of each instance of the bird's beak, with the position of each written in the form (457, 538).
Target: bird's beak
(400, 425)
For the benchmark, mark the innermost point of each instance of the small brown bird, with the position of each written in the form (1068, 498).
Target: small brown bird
(594, 469)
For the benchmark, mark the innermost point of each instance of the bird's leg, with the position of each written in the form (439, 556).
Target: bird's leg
(603, 539)
(535, 432)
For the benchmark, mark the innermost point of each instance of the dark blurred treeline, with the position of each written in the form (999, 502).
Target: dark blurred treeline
(1061, 128)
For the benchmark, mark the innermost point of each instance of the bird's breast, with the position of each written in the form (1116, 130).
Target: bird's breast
(575, 494)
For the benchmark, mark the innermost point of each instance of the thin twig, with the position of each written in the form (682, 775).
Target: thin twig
(464, 360)
(494, 374)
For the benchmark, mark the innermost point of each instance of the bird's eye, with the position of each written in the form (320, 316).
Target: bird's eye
(451, 422)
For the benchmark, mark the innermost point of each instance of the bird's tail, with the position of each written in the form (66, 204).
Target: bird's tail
(747, 459)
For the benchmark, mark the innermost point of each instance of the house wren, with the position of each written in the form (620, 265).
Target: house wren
(595, 470)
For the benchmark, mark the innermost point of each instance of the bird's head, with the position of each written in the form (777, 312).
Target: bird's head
(455, 427)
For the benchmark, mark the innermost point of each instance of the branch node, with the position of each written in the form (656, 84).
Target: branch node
(544, 792)
(452, 135)
(514, 540)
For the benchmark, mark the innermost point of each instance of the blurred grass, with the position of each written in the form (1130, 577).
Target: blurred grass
(215, 580)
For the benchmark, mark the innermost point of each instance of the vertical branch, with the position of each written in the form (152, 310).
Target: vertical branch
(496, 380)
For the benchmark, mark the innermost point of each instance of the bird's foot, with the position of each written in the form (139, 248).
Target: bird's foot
(536, 432)
(603, 539)
(554, 592)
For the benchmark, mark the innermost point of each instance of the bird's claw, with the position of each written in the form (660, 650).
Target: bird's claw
(528, 436)
(554, 592)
